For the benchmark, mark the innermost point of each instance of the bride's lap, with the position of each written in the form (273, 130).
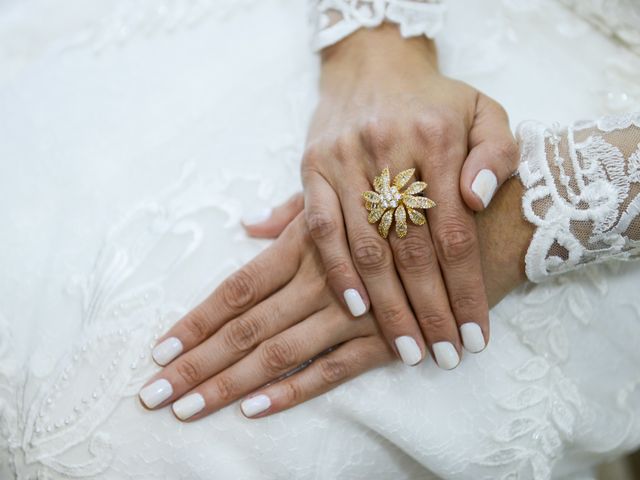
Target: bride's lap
(553, 367)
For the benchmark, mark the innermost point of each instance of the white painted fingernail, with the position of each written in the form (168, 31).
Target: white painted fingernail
(255, 405)
(354, 302)
(156, 393)
(446, 355)
(472, 337)
(409, 350)
(484, 186)
(188, 406)
(166, 350)
(258, 216)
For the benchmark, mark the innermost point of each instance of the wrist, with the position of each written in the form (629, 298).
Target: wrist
(378, 51)
(504, 236)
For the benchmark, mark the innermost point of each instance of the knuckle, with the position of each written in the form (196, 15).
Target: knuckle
(226, 388)
(434, 322)
(278, 356)
(294, 394)
(320, 224)
(465, 303)
(189, 371)
(377, 134)
(333, 371)
(344, 146)
(198, 323)
(339, 269)
(371, 255)
(242, 335)
(508, 151)
(312, 156)
(241, 290)
(414, 254)
(455, 243)
(434, 129)
(393, 318)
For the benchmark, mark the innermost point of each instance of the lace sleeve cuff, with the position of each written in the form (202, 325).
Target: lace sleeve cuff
(337, 19)
(582, 193)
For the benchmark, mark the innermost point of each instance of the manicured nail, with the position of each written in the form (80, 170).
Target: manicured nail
(472, 337)
(166, 350)
(446, 355)
(188, 406)
(258, 216)
(484, 186)
(255, 405)
(156, 393)
(409, 350)
(354, 302)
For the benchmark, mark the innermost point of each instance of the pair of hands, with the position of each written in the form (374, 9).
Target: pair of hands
(253, 334)
(383, 103)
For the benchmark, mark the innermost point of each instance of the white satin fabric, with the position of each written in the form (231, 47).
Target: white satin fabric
(133, 135)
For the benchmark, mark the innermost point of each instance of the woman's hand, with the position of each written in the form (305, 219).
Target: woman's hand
(270, 317)
(384, 103)
(277, 313)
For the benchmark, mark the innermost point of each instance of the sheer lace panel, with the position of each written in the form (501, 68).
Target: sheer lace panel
(336, 19)
(582, 193)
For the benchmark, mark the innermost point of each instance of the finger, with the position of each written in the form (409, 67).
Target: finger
(326, 226)
(493, 155)
(235, 340)
(374, 260)
(272, 359)
(417, 264)
(455, 238)
(269, 223)
(329, 370)
(274, 267)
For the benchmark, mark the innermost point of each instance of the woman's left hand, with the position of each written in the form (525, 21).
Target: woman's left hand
(277, 313)
(271, 316)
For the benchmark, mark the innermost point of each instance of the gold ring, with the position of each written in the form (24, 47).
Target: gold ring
(388, 202)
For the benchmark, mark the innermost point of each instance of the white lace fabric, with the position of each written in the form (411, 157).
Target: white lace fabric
(337, 19)
(618, 18)
(102, 249)
(582, 193)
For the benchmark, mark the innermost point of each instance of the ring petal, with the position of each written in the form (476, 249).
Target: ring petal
(385, 223)
(415, 187)
(401, 221)
(403, 177)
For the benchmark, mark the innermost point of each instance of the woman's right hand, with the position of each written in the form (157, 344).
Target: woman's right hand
(277, 313)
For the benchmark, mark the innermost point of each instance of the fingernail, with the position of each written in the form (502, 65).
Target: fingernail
(446, 355)
(472, 337)
(354, 302)
(258, 216)
(255, 405)
(156, 393)
(188, 406)
(484, 186)
(409, 350)
(167, 350)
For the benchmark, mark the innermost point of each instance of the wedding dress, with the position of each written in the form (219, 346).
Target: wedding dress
(134, 133)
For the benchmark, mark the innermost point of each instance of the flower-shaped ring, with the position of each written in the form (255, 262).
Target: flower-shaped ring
(388, 202)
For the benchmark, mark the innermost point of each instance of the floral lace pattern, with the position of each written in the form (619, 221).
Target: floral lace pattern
(336, 19)
(582, 193)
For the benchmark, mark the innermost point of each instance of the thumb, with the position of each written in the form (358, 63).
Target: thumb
(493, 154)
(270, 222)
